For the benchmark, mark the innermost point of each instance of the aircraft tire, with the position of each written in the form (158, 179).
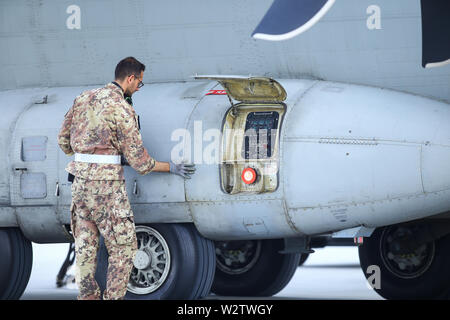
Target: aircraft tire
(270, 272)
(188, 263)
(426, 277)
(16, 262)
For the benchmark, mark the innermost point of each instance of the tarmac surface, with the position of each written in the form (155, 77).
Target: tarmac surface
(329, 273)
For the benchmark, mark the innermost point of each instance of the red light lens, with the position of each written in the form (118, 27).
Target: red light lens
(248, 175)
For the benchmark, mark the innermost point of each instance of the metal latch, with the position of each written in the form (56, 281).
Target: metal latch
(43, 101)
(135, 188)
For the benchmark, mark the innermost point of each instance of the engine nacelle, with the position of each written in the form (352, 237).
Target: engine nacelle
(328, 156)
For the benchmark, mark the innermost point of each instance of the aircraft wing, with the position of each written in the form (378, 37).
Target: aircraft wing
(288, 18)
(435, 33)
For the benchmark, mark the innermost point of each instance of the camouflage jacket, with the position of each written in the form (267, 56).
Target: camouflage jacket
(102, 122)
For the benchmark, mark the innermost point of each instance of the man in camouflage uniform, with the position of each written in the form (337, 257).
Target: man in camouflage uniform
(99, 128)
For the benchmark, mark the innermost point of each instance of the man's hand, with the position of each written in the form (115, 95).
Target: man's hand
(183, 169)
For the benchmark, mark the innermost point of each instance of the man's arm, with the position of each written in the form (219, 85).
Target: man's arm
(161, 167)
(64, 133)
(130, 141)
(131, 146)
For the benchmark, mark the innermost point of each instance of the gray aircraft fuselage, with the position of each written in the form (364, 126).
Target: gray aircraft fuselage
(60, 43)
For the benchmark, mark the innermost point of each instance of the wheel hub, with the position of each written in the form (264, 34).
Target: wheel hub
(402, 256)
(151, 263)
(142, 260)
(237, 257)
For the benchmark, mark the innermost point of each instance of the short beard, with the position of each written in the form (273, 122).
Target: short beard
(128, 93)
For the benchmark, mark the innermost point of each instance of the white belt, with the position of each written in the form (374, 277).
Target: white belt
(97, 158)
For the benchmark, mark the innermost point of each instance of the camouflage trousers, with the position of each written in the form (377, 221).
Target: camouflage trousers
(102, 207)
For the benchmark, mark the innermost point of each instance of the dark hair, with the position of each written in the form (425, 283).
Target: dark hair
(127, 67)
